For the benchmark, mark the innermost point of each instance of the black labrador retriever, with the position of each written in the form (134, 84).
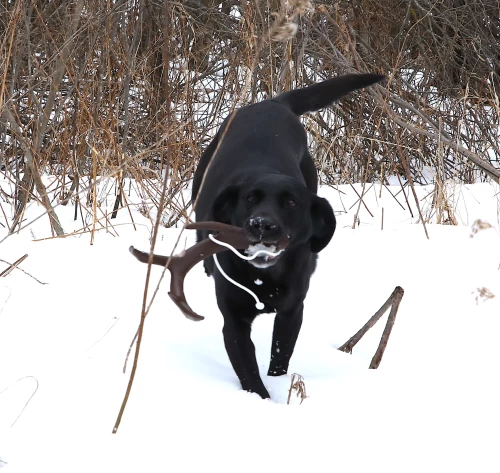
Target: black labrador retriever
(257, 173)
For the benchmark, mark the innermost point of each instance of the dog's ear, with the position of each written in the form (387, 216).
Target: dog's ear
(225, 204)
(323, 220)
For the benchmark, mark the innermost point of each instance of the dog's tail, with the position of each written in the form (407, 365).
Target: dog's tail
(323, 94)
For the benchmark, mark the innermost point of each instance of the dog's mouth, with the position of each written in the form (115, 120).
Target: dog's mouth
(265, 254)
(261, 254)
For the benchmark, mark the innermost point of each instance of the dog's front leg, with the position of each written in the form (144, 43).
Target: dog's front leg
(286, 330)
(241, 352)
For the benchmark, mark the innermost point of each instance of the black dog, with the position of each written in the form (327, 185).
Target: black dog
(259, 175)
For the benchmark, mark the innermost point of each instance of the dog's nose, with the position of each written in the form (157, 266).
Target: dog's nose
(262, 228)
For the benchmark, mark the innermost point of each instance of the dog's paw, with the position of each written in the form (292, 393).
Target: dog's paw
(276, 371)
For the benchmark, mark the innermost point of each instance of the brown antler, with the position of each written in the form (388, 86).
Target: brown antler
(182, 263)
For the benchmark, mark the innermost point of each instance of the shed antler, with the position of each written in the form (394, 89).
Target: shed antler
(182, 263)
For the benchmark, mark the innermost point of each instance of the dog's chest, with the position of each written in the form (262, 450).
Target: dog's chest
(269, 292)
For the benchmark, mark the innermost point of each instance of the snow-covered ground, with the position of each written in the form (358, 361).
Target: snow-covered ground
(432, 406)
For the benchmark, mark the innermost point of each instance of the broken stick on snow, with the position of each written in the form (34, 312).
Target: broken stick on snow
(393, 302)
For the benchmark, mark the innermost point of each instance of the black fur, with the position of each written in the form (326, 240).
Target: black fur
(262, 178)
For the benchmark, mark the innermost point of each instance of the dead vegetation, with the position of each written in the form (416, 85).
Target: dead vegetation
(297, 386)
(136, 88)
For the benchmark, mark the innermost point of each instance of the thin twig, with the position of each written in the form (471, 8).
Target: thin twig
(14, 265)
(153, 242)
(25, 272)
(28, 401)
(129, 350)
(107, 331)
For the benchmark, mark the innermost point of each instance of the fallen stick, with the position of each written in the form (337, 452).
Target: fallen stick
(397, 295)
(13, 266)
(16, 266)
(393, 302)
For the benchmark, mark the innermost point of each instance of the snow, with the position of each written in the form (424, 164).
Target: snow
(433, 404)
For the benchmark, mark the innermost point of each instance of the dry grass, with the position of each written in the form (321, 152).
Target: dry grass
(298, 387)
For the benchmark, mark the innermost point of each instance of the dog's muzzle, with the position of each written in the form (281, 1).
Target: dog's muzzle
(274, 245)
(262, 229)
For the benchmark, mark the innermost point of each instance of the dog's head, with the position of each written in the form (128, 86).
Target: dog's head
(273, 207)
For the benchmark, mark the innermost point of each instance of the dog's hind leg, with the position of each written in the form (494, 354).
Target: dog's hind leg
(286, 331)
(309, 172)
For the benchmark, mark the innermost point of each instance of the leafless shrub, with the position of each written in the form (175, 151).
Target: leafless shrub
(83, 89)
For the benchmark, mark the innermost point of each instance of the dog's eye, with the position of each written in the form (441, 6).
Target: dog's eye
(252, 199)
(291, 203)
